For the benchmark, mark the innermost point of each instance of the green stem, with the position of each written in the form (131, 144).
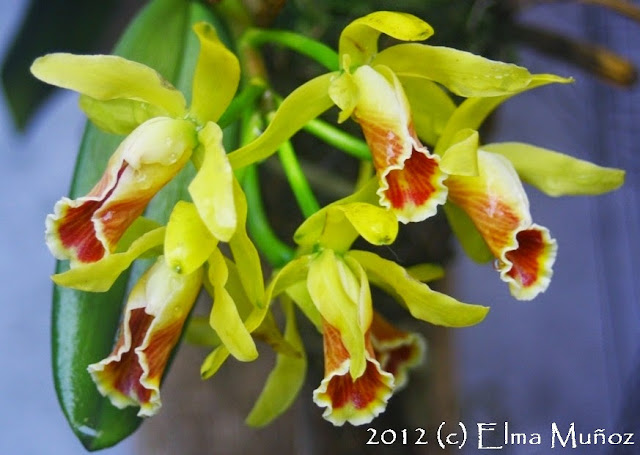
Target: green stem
(276, 251)
(313, 49)
(339, 139)
(247, 97)
(297, 180)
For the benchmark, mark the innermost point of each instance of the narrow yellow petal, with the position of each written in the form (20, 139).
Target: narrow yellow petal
(285, 380)
(303, 104)
(557, 174)
(108, 77)
(99, 276)
(224, 318)
(188, 243)
(216, 77)
(212, 187)
(422, 302)
(462, 72)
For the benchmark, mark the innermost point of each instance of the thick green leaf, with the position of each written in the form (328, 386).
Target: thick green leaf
(84, 324)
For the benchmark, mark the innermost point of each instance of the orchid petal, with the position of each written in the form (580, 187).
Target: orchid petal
(338, 225)
(474, 111)
(154, 315)
(244, 252)
(431, 107)
(300, 295)
(99, 276)
(557, 174)
(396, 350)
(467, 234)
(425, 272)
(303, 104)
(224, 318)
(335, 291)
(359, 39)
(212, 187)
(119, 116)
(88, 228)
(345, 94)
(348, 399)
(214, 361)
(422, 302)
(285, 380)
(498, 206)
(188, 243)
(461, 158)
(462, 72)
(216, 76)
(410, 180)
(108, 77)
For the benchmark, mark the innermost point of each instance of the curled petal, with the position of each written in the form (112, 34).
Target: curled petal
(108, 77)
(153, 318)
(357, 401)
(359, 39)
(337, 226)
(88, 228)
(99, 276)
(498, 206)
(409, 175)
(397, 351)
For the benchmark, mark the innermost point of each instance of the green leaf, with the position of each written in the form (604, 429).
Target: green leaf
(557, 174)
(84, 324)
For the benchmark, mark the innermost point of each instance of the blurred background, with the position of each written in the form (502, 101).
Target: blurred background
(571, 355)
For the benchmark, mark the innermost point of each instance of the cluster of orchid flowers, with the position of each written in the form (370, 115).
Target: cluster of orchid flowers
(401, 97)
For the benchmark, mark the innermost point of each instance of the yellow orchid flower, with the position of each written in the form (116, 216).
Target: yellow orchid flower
(379, 90)
(396, 350)
(487, 206)
(125, 97)
(330, 283)
(153, 318)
